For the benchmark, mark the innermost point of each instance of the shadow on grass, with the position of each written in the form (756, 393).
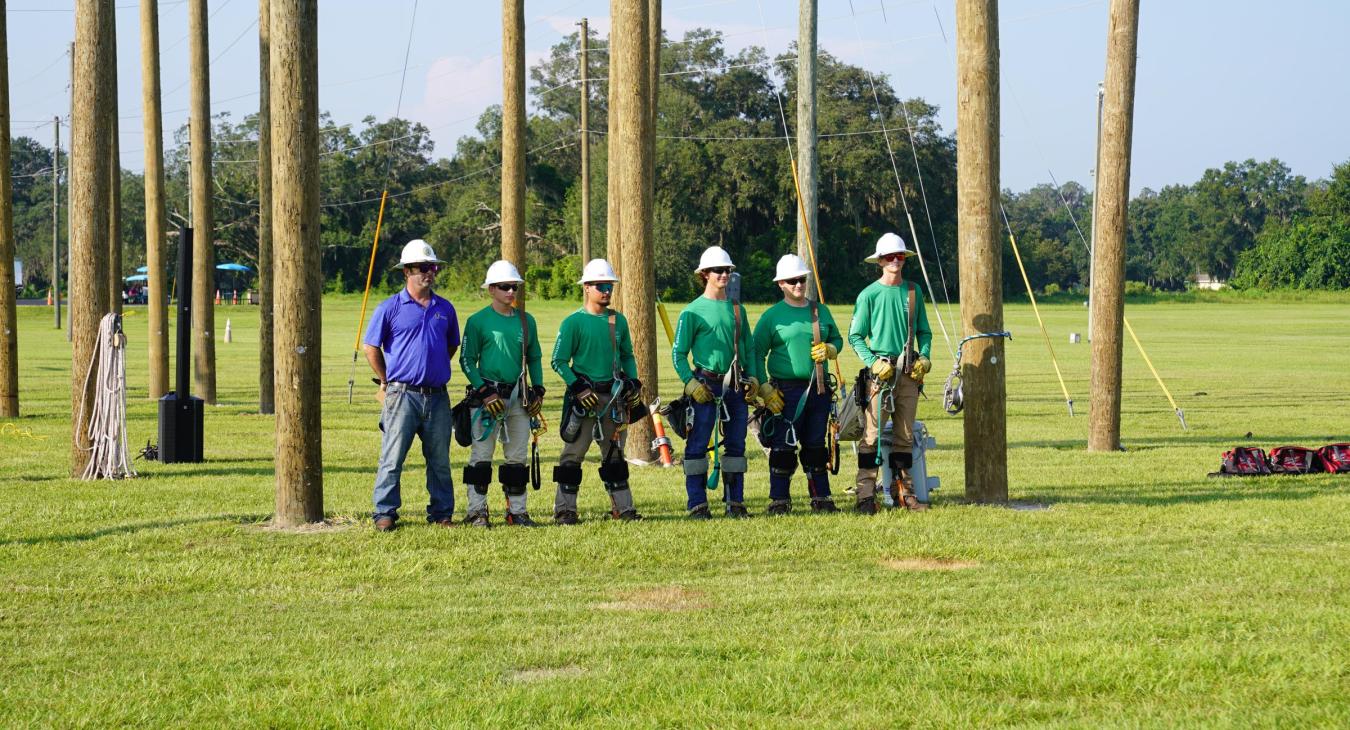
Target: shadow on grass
(1264, 441)
(207, 471)
(133, 527)
(1241, 489)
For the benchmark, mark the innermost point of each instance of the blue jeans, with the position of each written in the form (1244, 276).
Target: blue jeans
(407, 414)
(732, 442)
(810, 429)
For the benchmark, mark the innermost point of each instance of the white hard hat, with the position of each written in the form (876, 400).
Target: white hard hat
(714, 257)
(501, 272)
(597, 271)
(791, 266)
(417, 251)
(889, 243)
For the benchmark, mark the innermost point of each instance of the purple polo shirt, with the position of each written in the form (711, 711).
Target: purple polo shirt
(416, 340)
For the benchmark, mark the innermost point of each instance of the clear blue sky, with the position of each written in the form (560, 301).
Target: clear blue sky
(1217, 81)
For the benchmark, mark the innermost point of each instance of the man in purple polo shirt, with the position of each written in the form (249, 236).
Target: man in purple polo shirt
(410, 341)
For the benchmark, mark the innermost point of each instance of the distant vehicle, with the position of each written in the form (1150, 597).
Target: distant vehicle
(18, 276)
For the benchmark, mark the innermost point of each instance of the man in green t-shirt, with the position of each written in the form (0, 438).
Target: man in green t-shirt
(495, 355)
(716, 336)
(797, 336)
(594, 356)
(880, 334)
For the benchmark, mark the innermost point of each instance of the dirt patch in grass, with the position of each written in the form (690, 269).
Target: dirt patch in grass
(661, 598)
(329, 525)
(539, 674)
(928, 564)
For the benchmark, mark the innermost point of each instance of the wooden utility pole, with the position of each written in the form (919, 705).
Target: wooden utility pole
(56, 219)
(513, 132)
(154, 201)
(584, 64)
(294, 75)
(266, 379)
(1112, 203)
(114, 270)
(630, 162)
(977, 200)
(9, 316)
(203, 218)
(70, 212)
(807, 159)
(89, 214)
(613, 192)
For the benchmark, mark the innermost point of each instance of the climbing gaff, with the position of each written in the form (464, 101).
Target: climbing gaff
(953, 397)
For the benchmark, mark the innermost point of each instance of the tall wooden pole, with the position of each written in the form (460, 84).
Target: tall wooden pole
(70, 212)
(631, 161)
(155, 222)
(613, 192)
(807, 159)
(9, 316)
(294, 75)
(203, 218)
(584, 64)
(513, 132)
(266, 378)
(977, 200)
(89, 214)
(114, 270)
(1112, 203)
(56, 219)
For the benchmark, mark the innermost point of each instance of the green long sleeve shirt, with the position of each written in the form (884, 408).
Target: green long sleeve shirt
(784, 335)
(881, 321)
(705, 331)
(491, 348)
(584, 347)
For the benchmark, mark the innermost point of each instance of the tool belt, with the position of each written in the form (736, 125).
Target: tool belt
(411, 388)
(785, 383)
(503, 390)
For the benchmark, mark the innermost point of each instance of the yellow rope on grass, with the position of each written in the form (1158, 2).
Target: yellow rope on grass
(1018, 255)
(1181, 415)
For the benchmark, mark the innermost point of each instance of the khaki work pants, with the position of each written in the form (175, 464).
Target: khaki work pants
(575, 453)
(900, 406)
(512, 431)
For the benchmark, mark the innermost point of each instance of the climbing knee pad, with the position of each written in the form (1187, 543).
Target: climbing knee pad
(478, 475)
(901, 460)
(696, 467)
(614, 472)
(815, 459)
(568, 477)
(733, 464)
(513, 477)
(867, 459)
(782, 462)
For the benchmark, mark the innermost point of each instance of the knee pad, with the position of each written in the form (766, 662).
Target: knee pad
(901, 460)
(815, 459)
(568, 477)
(867, 460)
(513, 477)
(696, 467)
(734, 464)
(479, 475)
(614, 472)
(782, 462)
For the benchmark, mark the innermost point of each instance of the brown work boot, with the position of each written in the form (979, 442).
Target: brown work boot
(521, 519)
(779, 507)
(444, 522)
(628, 515)
(823, 505)
(477, 519)
(866, 506)
(911, 502)
(566, 517)
(385, 523)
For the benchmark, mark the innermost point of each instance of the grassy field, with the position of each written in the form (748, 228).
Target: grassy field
(1145, 594)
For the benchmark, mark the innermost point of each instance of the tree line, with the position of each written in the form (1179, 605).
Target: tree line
(723, 177)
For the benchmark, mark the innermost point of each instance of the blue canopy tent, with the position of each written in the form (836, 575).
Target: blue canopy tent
(235, 270)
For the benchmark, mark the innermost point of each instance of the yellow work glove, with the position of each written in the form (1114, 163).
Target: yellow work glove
(921, 368)
(749, 386)
(822, 351)
(882, 370)
(494, 405)
(698, 391)
(772, 397)
(588, 399)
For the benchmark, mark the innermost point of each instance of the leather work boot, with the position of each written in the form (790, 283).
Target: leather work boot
(566, 517)
(911, 502)
(823, 505)
(520, 520)
(700, 512)
(737, 511)
(444, 522)
(866, 506)
(385, 523)
(628, 515)
(477, 519)
(779, 508)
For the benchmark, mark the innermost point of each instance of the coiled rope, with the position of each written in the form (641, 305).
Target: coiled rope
(109, 453)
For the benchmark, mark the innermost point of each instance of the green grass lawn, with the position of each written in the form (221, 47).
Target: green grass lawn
(1145, 595)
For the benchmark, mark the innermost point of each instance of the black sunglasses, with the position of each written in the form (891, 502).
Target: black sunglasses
(425, 268)
(796, 281)
(507, 287)
(719, 270)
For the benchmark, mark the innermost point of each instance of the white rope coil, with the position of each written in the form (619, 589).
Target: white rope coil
(108, 458)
